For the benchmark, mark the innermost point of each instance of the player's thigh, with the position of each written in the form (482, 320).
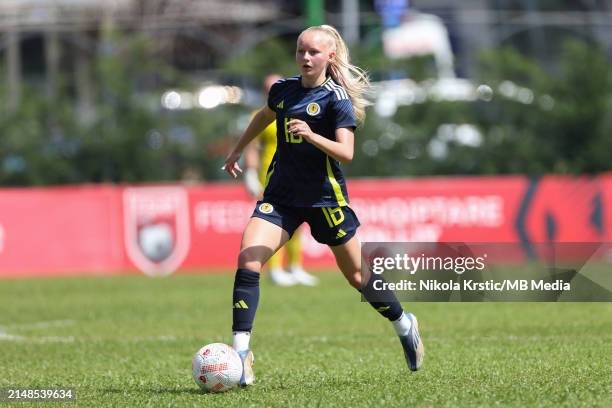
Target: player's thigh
(336, 227)
(260, 240)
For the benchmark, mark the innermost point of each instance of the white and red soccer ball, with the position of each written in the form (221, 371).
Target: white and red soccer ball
(216, 367)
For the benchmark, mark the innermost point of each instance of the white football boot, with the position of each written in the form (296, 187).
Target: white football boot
(280, 277)
(302, 277)
(414, 351)
(248, 377)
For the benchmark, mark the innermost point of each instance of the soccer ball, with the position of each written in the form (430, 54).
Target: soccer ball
(216, 367)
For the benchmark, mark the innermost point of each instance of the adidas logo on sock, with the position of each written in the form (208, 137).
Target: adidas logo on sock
(241, 305)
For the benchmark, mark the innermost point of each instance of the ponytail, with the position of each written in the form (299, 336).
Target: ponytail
(352, 78)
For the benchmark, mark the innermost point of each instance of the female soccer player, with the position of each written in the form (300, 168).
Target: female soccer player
(316, 114)
(257, 159)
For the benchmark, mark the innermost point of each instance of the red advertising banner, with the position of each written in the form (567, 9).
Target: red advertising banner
(100, 229)
(60, 231)
(431, 210)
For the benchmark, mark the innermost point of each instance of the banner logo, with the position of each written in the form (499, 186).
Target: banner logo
(156, 228)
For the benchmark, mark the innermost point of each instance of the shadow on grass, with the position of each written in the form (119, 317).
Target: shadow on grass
(173, 391)
(177, 391)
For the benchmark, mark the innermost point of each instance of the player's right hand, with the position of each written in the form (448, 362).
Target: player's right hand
(231, 164)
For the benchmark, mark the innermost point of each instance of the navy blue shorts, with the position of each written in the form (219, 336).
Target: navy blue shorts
(329, 225)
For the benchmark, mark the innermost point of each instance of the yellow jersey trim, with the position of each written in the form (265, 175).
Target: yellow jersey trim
(335, 186)
(269, 175)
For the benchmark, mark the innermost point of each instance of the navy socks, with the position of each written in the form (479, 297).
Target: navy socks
(384, 301)
(245, 299)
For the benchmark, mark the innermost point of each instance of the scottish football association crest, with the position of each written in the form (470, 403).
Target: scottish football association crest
(156, 228)
(313, 109)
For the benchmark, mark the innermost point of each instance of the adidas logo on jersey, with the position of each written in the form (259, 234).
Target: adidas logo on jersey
(340, 234)
(280, 105)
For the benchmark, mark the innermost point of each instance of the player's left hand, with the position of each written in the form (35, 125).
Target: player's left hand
(301, 128)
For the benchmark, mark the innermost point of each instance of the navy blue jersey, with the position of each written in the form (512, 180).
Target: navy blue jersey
(300, 174)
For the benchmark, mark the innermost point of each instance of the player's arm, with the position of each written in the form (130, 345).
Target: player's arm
(260, 121)
(341, 149)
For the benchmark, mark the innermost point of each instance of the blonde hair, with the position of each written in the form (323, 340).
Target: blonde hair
(352, 78)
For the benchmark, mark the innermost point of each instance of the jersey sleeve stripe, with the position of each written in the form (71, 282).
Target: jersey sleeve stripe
(336, 91)
(329, 88)
(342, 91)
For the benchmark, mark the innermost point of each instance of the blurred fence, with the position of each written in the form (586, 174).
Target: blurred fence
(157, 229)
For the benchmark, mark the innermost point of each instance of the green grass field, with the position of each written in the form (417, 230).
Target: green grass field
(128, 342)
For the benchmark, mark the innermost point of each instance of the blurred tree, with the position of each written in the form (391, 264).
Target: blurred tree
(581, 116)
(129, 137)
(564, 126)
(36, 141)
(371, 57)
(273, 55)
(533, 121)
(536, 122)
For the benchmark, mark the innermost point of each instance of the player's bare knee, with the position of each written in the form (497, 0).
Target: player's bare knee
(253, 257)
(247, 262)
(254, 266)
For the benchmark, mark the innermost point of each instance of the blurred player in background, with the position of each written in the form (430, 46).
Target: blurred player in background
(257, 160)
(317, 113)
